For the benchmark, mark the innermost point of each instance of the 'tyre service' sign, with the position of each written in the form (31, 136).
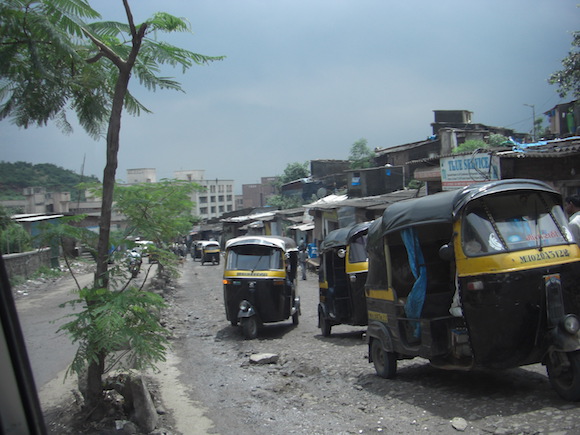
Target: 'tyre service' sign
(460, 171)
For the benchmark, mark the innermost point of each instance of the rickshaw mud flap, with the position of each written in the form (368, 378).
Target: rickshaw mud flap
(379, 331)
(247, 313)
(561, 341)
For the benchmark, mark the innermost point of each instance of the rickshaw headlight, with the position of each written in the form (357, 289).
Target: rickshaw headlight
(244, 305)
(571, 324)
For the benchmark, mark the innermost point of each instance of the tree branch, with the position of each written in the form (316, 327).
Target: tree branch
(105, 50)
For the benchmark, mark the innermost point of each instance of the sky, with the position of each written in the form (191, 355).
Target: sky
(305, 79)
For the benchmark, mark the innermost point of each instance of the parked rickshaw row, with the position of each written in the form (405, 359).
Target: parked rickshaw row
(483, 277)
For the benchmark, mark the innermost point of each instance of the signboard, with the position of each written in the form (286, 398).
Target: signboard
(460, 171)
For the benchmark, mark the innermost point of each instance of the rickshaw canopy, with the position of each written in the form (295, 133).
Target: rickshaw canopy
(286, 244)
(208, 243)
(342, 236)
(443, 207)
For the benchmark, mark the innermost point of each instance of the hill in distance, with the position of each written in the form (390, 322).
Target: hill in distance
(14, 177)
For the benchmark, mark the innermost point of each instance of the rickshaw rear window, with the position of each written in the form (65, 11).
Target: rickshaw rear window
(253, 257)
(512, 222)
(358, 250)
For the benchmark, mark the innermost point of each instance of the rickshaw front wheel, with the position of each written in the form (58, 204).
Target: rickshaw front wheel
(296, 318)
(565, 378)
(325, 326)
(249, 327)
(385, 362)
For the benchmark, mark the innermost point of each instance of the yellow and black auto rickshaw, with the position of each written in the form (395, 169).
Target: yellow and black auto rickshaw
(260, 282)
(485, 276)
(209, 252)
(341, 278)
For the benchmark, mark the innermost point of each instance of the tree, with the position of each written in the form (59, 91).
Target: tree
(112, 318)
(497, 140)
(470, 145)
(361, 156)
(159, 212)
(52, 59)
(13, 238)
(294, 171)
(568, 79)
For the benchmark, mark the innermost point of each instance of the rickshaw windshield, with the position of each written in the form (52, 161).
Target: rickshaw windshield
(254, 257)
(358, 249)
(511, 222)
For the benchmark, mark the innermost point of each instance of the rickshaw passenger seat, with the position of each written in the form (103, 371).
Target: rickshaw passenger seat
(437, 304)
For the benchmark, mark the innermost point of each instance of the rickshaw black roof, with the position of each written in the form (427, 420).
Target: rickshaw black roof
(284, 243)
(342, 236)
(443, 207)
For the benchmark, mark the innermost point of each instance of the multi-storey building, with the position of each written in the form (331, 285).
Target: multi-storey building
(216, 197)
(256, 195)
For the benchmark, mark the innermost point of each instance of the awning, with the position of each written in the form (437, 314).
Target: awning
(302, 227)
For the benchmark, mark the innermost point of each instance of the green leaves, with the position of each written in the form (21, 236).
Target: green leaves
(50, 65)
(125, 321)
(568, 79)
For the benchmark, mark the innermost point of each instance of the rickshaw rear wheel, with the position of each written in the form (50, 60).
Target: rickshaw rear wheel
(249, 327)
(325, 326)
(385, 362)
(565, 379)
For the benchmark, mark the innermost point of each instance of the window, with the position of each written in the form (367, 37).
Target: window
(228, 197)
(512, 222)
(221, 198)
(229, 188)
(212, 199)
(203, 210)
(221, 188)
(221, 208)
(254, 257)
(212, 188)
(213, 209)
(203, 199)
(357, 252)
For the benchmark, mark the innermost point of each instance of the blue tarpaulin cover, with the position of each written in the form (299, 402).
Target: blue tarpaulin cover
(416, 298)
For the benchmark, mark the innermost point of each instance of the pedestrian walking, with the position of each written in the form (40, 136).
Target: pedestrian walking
(302, 257)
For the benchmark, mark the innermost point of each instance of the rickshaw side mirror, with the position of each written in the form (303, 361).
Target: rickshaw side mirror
(446, 252)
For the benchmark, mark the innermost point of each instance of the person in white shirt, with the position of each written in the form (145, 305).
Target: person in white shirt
(572, 209)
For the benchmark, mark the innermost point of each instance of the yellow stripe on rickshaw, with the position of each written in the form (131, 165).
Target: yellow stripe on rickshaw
(519, 260)
(254, 274)
(384, 294)
(381, 317)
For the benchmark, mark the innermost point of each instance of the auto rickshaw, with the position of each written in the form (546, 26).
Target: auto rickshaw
(485, 276)
(209, 252)
(195, 250)
(341, 278)
(260, 282)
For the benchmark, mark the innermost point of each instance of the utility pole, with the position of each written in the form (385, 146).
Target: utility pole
(533, 120)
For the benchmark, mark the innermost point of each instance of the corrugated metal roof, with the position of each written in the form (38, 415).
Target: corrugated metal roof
(378, 202)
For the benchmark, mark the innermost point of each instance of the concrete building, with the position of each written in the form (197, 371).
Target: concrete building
(38, 200)
(216, 198)
(141, 175)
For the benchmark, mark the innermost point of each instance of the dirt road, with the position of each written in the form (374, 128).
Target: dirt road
(326, 386)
